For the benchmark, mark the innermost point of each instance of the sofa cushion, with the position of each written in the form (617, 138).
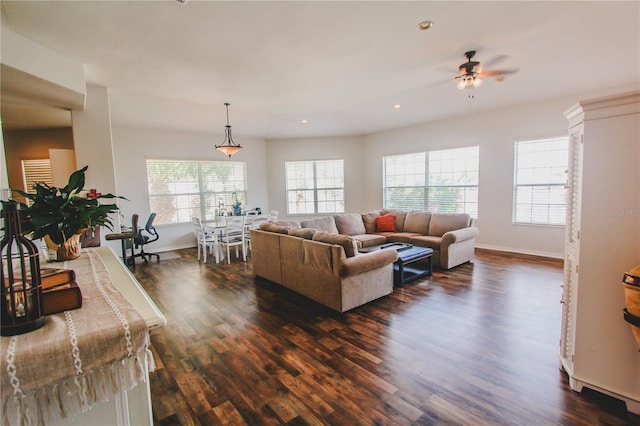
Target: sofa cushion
(350, 224)
(326, 224)
(369, 220)
(272, 227)
(369, 240)
(349, 244)
(426, 241)
(417, 221)
(306, 233)
(442, 223)
(402, 237)
(400, 217)
(386, 223)
(288, 223)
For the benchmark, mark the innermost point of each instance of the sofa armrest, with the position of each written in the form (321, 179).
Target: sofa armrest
(367, 261)
(460, 235)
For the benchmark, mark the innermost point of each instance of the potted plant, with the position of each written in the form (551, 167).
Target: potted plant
(61, 215)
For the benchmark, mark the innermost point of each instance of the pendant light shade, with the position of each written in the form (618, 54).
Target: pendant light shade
(228, 147)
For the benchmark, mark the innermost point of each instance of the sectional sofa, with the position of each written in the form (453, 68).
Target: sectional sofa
(319, 258)
(322, 266)
(451, 236)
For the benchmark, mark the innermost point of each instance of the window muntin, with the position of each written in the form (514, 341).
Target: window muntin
(314, 187)
(182, 189)
(540, 168)
(444, 181)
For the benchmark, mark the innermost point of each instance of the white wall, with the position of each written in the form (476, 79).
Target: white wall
(350, 149)
(133, 146)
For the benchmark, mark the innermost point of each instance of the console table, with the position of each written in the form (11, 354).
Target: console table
(90, 365)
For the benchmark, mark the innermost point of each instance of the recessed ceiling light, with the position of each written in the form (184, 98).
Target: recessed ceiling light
(500, 78)
(425, 25)
(304, 121)
(396, 106)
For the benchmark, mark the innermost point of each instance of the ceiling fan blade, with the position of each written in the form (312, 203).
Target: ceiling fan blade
(497, 72)
(495, 60)
(440, 83)
(448, 70)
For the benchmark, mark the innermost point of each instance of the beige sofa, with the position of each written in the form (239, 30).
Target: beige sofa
(322, 266)
(451, 236)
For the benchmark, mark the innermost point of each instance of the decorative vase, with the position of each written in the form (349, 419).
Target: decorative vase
(69, 250)
(631, 282)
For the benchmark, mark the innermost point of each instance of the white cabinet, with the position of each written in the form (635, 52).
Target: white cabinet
(597, 347)
(572, 247)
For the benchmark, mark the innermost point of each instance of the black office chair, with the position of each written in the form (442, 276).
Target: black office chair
(146, 235)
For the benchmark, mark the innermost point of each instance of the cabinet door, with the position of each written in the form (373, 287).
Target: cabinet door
(572, 247)
(569, 311)
(574, 185)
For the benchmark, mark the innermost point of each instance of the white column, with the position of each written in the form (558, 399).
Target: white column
(94, 146)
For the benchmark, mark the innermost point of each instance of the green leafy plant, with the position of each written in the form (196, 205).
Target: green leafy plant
(61, 213)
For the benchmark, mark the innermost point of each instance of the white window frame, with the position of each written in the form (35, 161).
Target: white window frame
(198, 192)
(428, 180)
(310, 193)
(539, 181)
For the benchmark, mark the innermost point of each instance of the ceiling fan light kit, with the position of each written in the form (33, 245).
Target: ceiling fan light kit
(469, 77)
(469, 81)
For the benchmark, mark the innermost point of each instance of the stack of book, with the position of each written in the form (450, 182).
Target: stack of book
(59, 290)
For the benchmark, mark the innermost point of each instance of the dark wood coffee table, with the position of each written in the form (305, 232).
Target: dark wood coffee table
(405, 268)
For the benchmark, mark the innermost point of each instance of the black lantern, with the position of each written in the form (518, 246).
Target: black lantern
(21, 299)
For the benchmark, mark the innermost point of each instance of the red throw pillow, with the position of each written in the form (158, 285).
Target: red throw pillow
(386, 223)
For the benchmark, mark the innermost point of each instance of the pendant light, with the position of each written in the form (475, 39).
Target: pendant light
(228, 147)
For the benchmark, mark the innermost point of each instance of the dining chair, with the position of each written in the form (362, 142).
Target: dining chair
(206, 240)
(252, 222)
(232, 235)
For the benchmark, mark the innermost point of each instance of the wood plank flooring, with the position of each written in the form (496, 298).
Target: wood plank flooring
(476, 345)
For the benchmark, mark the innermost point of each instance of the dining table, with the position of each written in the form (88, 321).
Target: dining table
(217, 226)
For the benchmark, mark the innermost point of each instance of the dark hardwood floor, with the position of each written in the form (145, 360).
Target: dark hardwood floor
(476, 345)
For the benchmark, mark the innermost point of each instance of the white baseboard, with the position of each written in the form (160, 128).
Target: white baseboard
(170, 248)
(522, 251)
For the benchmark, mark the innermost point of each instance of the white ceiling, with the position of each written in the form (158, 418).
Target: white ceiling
(340, 65)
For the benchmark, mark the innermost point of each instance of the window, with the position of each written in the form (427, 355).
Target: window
(315, 186)
(540, 177)
(36, 171)
(438, 181)
(179, 189)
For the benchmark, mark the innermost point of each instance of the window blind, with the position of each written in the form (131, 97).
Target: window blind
(539, 181)
(37, 170)
(314, 187)
(443, 181)
(182, 189)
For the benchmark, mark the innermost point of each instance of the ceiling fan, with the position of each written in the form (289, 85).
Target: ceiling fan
(471, 71)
